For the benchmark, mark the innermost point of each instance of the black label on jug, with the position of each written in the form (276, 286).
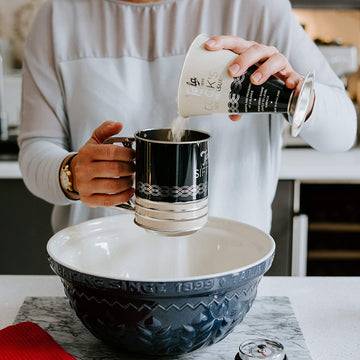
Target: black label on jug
(245, 97)
(171, 171)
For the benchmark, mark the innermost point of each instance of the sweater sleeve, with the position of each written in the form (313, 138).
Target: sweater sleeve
(332, 124)
(44, 137)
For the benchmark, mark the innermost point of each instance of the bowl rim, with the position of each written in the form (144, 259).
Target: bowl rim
(260, 261)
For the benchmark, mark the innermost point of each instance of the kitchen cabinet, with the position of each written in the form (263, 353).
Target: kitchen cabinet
(25, 230)
(333, 211)
(282, 228)
(316, 227)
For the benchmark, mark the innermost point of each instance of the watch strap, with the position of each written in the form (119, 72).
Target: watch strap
(66, 168)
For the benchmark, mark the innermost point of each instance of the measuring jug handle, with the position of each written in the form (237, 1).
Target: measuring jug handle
(129, 206)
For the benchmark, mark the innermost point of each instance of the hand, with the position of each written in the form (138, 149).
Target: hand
(103, 174)
(268, 59)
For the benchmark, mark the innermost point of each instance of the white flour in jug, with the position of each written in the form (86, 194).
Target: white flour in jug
(178, 128)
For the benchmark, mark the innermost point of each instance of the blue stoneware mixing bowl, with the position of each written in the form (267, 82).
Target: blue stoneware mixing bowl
(158, 295)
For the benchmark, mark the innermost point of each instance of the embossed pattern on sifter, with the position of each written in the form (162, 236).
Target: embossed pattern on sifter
(172, 191)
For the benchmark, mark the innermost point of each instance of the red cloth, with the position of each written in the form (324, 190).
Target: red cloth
(28, 341)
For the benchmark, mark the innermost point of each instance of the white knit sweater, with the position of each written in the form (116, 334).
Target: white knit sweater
(87, 61)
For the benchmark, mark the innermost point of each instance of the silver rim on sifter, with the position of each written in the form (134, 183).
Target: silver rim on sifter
(171, 219)
(300, 103)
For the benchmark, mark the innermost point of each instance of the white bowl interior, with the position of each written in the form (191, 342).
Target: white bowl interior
(115, 247)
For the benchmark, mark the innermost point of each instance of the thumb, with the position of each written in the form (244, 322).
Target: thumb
(236, 117)
(104, 131)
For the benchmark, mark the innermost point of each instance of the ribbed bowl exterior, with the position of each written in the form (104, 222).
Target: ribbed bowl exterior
(161, 318)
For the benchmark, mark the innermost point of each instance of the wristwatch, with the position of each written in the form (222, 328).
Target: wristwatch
(66, 177)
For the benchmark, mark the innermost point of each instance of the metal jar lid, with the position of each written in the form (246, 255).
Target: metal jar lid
(300, 103)
(261, 349)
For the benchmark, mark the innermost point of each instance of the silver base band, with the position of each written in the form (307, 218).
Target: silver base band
(171, 219)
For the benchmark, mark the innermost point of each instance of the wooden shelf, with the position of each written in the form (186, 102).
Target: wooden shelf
(330, 226)
(334, 255)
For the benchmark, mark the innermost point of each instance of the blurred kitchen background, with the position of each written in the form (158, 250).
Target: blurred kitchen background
(316, 211)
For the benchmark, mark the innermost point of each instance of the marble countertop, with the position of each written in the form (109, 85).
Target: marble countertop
(298, 164)
(327, 308)
(271, 317)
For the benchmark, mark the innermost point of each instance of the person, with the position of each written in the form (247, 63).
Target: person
(94, 68)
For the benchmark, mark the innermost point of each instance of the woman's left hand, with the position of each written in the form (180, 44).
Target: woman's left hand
(268, 59)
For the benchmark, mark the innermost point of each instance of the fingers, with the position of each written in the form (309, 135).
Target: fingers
(108, 186)
(292, 80)
(255, 54)
(94, 177)
(235, 117)
(103, 183)
(103, 174)
(104, 131)
(268, 59)
(228, 42)
(96, 200)
(110, 152)
(104, 169)
(276, 65)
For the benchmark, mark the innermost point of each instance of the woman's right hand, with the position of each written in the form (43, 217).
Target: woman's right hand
(103, 174)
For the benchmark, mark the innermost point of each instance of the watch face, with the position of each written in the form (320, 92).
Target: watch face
(64, 179)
